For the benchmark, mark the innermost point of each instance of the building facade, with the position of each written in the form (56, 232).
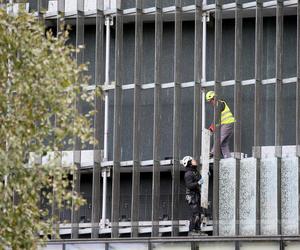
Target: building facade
(155, 59)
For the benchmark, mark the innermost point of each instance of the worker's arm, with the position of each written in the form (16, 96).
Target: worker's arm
(212, 127)
(189, 181)
(222, 106)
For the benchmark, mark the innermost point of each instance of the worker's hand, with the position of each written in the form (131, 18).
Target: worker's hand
(201, 181)
(212, 128)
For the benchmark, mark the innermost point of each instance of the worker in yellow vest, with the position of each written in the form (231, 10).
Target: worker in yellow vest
(227, 121)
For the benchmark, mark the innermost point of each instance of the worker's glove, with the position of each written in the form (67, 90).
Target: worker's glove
(212, 128)
(201, 181)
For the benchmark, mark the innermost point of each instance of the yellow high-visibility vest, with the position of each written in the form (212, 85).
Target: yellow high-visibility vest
(226, 115)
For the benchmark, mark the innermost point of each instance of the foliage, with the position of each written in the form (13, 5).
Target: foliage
(40, 84)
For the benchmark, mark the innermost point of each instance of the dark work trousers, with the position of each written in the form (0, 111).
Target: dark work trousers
(193, 201)
(226, 133)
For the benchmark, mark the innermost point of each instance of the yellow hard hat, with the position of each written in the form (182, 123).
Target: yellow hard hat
(210, 95)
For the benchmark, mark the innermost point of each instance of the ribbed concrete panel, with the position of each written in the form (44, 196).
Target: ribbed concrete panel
(289, 195)
(128, 246)
(171, 246)
(216, 245)
(227, 197)
(248, 196)
(292, 246)
(259, 246)
(268, 196)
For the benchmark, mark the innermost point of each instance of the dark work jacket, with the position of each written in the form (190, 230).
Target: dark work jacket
(191, 178)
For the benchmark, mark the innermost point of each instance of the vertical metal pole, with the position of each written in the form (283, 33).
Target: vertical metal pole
(117, 125)
(156, 123)
(257, 103)
(298, 98)
(217, 113)
(56, 216)
(204, 40)
(77, 147)
(176, 117)
(238, 78)
(136, 119)
(41, 7)
(197, 78)
(96, 185)
(278, 103)
(55, 209)
(39, 11)
(98, 118)
(108, 23)
(61, 11)
(298, 84)
(205, 137)
(237, 106)
(60, 15)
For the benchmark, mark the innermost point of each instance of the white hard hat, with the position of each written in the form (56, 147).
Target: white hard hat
(186, 160)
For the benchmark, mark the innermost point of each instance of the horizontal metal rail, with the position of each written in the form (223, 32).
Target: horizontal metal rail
(186, 239)
(192, 84)
(87, 157)
(126, 227)
(171, 9)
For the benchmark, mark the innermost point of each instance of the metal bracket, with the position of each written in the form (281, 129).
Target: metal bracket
(110, 20)
(107, 170)
(104, 224)
(206, 15)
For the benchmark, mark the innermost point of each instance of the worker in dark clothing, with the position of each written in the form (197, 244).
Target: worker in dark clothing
(227, 124)
(193, 182)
